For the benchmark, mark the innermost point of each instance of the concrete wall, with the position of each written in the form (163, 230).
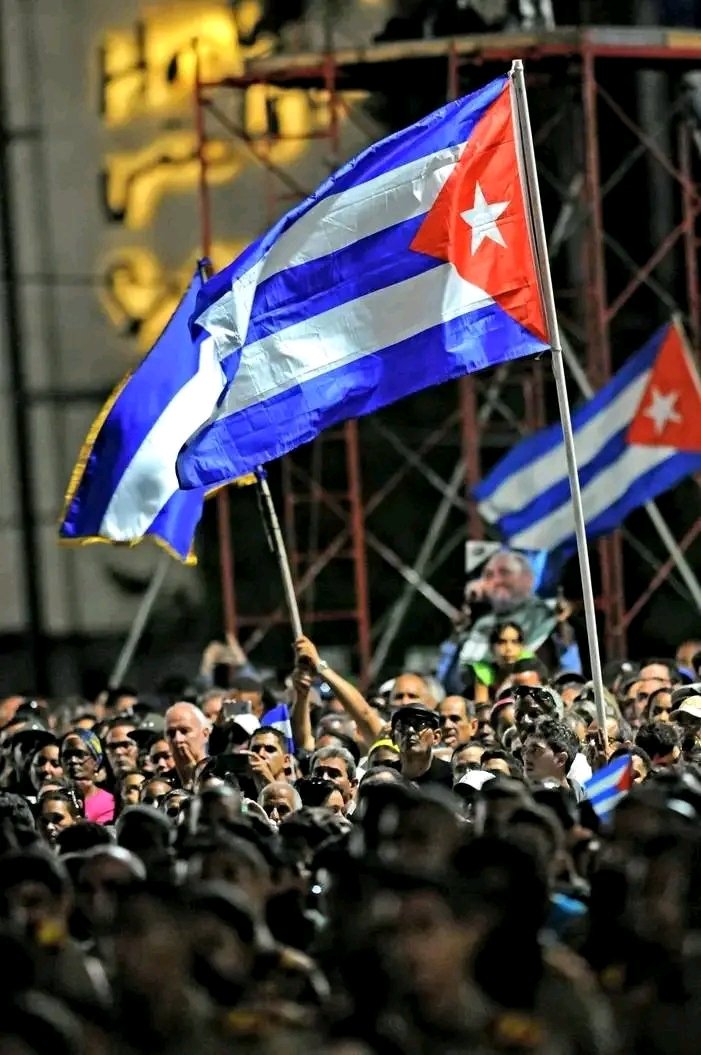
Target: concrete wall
(74, 321)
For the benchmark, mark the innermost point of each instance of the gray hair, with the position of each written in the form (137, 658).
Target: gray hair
(196, 713)
(324, 753)
(296, 797)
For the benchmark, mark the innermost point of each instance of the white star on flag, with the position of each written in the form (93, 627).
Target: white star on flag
(661, 410)
(482, 219)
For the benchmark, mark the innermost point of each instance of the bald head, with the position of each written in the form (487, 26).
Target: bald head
(411, 689)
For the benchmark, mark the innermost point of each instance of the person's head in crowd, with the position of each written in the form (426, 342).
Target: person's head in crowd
(416, 731)
(502, 715)
(146, 832)
(384, 752)
(660, 741)
(120, 700)
(532, 703)
(58, 810)
(79, 838)
(658, 674)
(216, 806)
(494, 760)
(173, 804)
(569, 685)
(129, 788)
(17, 826)
(659, 705)
(529, 671)
(640, 763)
(35, 896)
(466, 756)
(506, 643)
(618, 731)
(458, 720)
(635, 696)
(161, 758)
(187, 732)
(688, 656)
(507, 580)
(224, 934)
(234, 859)
(335, 725)
(104, 873)
(279, 799)
(268, 754)
(549, 750)
(250, 694)
(122, 751)
(319, 792)
(210, 703)
(337, 766)
(410, 689)
(82, 758)
(485, 730)
(45, 765)
(154, 791)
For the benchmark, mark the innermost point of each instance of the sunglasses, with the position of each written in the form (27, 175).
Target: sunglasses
(417, 724)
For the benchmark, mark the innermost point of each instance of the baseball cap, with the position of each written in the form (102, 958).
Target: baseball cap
(151, 728)
(415, 712)
(566, 678)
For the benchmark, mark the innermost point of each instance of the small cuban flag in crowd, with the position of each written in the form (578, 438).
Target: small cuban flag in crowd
(608, 786)
(279, 718)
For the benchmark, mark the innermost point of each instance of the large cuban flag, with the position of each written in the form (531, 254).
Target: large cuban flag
(411, 266)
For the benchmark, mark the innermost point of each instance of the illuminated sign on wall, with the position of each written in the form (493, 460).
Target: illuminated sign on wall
(146, 91)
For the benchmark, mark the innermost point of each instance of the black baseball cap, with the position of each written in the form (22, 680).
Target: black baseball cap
(415, 712)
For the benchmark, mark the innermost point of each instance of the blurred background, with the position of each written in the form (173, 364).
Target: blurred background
(101, 226)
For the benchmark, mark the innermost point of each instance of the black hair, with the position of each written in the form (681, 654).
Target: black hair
(114, 694)
(243, 683)
(696, 662)
(272, 731)
(381, 773)
(658, 739)
(15, 810)
(499, 629)
(38, 865)
(71, 798)
(461, 747)
(663, 661)
(529, 663)
(653, 695)
(81, 837)
(634, 750)
(515, 767)
(558, 736)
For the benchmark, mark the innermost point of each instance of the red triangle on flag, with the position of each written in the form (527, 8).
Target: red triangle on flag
(479, 224)
(669, 414)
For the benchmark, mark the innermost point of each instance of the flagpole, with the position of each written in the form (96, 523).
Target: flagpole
(125, 657)
(543, 265)
(277, 545)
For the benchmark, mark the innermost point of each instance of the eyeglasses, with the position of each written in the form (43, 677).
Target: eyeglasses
(417, 724)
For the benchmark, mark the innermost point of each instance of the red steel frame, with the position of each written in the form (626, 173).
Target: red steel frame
(602, 310)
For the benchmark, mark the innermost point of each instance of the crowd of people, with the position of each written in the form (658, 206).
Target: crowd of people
(402, 870)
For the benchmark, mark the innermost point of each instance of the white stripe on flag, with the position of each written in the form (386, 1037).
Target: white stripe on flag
(334, 223)
(149, 480)
(602, 491)
(348, 332)
(598, 785)
(518, 490)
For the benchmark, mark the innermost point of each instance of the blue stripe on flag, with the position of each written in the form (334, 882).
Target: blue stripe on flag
(309, 289)
(451, 125)
(272, 427)
(549, 439)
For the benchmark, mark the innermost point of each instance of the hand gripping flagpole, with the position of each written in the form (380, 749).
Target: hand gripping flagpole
(277, 545)
(527, 156)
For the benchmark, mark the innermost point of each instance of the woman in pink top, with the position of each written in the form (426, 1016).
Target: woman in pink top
(81, 757)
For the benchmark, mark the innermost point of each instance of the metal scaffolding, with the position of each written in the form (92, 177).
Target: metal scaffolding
(580, 79)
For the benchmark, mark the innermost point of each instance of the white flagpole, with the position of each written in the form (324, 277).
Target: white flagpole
(543, 265)
(277, 545)
(141, 618)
